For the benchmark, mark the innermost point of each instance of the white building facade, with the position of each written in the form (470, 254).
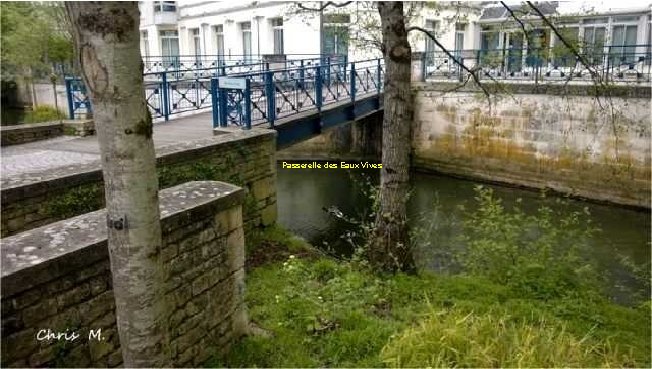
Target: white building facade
(248, 30)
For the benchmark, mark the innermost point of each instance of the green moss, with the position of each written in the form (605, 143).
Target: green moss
(69, 131)
(78, 200)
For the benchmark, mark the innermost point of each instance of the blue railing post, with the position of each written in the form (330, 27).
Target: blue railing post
(69, 94)
(215, 102)
(379, 78)
(346, 62)
(221, 99)
(318, 88)
(353, 82)
(166, 100)
(247, 106)
(302, 75)
(328, 71)
(271, 98)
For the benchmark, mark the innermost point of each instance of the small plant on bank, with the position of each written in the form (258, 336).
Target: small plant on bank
(538, 255)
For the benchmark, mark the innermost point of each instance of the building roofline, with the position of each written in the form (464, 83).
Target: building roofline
(251, 6)
(632, 11)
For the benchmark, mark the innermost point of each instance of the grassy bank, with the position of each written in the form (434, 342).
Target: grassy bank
(323, 312)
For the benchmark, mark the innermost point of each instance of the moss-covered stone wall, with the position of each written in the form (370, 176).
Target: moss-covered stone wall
(57, 279)
(244, 158)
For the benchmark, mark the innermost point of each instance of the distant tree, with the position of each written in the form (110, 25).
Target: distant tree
(106, 39)
(32, 39)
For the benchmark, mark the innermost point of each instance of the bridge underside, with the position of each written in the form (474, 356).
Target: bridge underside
(309, 124)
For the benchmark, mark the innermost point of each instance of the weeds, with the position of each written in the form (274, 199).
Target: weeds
(523, 297)
(455, 338)
(43, 113)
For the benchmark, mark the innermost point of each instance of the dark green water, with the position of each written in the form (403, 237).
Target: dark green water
(303, 194)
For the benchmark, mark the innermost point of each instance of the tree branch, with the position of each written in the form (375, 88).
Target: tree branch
(327, 4)
(450, 55)
(571, 48)
(520, 22)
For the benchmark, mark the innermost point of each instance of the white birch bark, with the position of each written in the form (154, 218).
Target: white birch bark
(106, 41)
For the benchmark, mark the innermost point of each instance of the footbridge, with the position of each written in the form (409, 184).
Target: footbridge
(298, 98)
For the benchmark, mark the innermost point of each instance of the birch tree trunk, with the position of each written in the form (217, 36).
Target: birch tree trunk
(106, 39)
(389, 248)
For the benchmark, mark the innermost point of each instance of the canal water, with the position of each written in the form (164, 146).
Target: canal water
(309, 201)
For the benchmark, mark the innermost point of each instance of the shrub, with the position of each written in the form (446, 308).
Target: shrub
(538, 255)
(43, 113)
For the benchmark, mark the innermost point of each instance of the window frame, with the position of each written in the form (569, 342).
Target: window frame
(277, 35)
(165, 6)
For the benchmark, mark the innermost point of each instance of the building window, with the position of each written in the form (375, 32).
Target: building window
(245, 28)
(195, 41)
(335, 39)
(489, 38)
(219, 39)
(489, 44)
(144, 44)
(537, 48)
(277, 30)
(431, 26)
(562, 55)
(460, 28)
(594, 43)
(170, 46)
(166, 6)
(623, 41)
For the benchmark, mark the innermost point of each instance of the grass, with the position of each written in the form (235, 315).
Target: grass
(323, 312)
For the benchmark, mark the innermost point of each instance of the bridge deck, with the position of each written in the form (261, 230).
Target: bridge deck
(61, 151)
(58, 152)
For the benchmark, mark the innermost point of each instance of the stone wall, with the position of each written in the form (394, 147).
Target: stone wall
(45, 96)
(588, 147)
(245, 158)
(24, 133)
(58, 278)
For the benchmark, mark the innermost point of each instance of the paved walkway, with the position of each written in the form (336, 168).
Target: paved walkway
(62, 151)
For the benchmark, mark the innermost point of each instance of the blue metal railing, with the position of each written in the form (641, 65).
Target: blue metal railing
(171, 91)
(628, 63)
(276, 94)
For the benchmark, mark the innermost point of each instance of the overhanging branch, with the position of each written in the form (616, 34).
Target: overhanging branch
(571, 48)
(455, 60)
(324, 6)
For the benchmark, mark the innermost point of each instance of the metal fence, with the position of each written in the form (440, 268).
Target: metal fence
(186, 88)
(158, 63)
(266, 97)
(629, 63)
